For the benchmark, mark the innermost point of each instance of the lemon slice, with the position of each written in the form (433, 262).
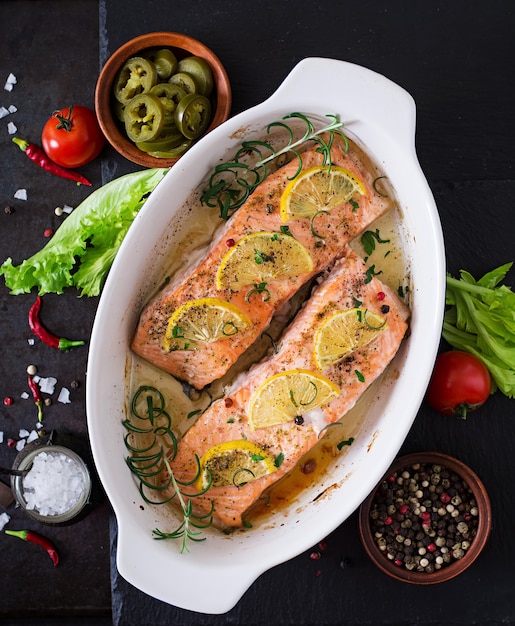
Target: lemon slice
(345, 332)
(234, 463)
(261, 257)
(285, 396)
(318, 189)
(204, 320)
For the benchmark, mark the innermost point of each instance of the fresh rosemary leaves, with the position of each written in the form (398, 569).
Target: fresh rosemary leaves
(232, 182)
(153, 445)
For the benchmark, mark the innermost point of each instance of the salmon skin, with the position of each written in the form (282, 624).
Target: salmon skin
(261, 212)
(348, 282)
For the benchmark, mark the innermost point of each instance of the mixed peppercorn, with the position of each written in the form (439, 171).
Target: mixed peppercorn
(424, 517)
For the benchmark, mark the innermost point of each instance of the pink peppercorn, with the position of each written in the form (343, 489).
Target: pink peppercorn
(425, 515)
(230, 243)
(404, 508)
(322, 545)
(48, 232)
(11, 443)
(381, 295)
(445, 497)
(388, 521)
(314, 556)
(228, 402)
(431, 547)
(8, 401)
(398, 562)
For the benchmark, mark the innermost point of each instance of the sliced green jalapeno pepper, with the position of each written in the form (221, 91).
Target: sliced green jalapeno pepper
(173, 153)
(185, 81)
(201, 71)
(192, 115)
(143, 118)
(138, 75)
(169, 95)
(168, 139)
(165, 62)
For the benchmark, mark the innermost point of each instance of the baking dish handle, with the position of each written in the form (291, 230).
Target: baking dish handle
(363, 94)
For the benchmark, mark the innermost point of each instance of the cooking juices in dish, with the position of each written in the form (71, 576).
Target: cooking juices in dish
(265, 253)
(300, 227)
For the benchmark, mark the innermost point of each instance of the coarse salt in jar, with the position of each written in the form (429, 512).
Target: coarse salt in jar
(57, 484)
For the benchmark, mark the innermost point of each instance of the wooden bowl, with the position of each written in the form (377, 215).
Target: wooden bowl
(182, 46)
(395, 567)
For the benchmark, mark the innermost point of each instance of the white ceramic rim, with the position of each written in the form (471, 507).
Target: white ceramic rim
(382, 115)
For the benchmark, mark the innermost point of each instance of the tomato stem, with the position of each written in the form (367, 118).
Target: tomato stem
(65, 122)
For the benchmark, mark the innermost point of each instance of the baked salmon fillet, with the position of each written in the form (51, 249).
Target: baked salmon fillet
(202, 363)
(350, 289)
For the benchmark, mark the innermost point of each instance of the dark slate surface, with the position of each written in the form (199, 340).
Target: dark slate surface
(52, 49)
(457, 60)
(457, 63)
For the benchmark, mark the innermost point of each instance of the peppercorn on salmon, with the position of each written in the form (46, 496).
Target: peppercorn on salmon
(283, 404)
(258, 260)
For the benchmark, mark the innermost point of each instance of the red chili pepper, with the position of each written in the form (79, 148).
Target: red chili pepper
(39, 156)
(47, 337)
(28, 535)
(36, 394)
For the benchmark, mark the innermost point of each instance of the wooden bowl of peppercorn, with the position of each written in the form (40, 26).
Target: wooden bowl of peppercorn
(427, 520)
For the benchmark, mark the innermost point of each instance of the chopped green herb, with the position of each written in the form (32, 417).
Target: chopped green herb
(370, 273)
(279, 459)
(354, 205)
(347, 442)
(359, 376)
(369, 239)
(193, 413)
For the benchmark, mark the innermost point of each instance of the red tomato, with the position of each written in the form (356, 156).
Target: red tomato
(459, 384)
(72, 136)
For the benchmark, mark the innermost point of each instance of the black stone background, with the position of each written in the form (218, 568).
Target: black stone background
(457, 60)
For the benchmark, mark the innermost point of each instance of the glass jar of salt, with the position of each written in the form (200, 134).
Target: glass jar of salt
(56, 485)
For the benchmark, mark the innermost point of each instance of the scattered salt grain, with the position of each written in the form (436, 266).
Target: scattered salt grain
(4, 112)
(1, 436)
(64, 396)
(24, 395)
(23, 433)
(21, 194)
(33, 435)
(47, 385)
(11, 80)
(31, 341)
(12, 129)
(12, 108)
(20, 444)
(4, 520)
(67, 209)
(54, 484)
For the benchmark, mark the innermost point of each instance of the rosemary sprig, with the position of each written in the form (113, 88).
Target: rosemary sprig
(232, 182)
(152, 444)
(186, 530)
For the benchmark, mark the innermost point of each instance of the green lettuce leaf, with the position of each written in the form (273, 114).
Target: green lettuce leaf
(81, 251)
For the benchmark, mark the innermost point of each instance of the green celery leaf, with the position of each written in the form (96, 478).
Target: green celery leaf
(480, 319)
